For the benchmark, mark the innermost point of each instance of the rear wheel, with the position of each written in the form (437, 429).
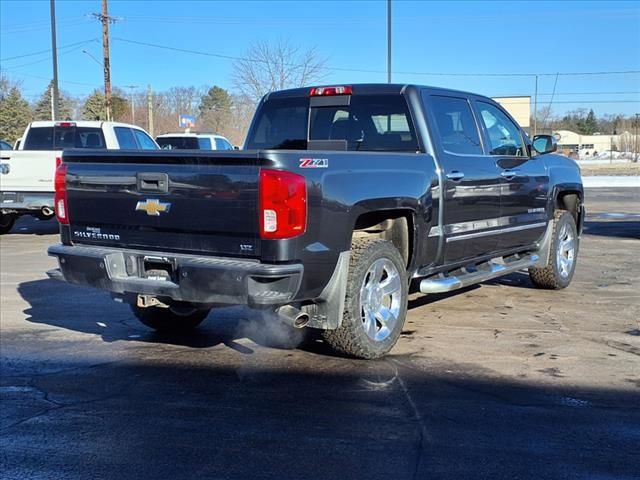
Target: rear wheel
(176, 318)
(6, 222)
(376, 301)
(558, 272)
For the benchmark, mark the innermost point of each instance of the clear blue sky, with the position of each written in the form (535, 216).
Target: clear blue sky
(428, 37)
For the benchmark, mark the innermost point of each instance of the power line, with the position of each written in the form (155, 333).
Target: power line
(569, 93)
(40, 52)
(515, 102)
(49, 79)
(75, 49)
(65, 23)
(232, 57)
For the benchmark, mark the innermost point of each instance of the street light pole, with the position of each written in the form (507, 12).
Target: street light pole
(388, 41)
(54, 53)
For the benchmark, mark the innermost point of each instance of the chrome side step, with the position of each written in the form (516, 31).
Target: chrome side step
(471, 274)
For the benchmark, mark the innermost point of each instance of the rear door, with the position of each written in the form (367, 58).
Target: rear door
(524, 179)
(471, 178)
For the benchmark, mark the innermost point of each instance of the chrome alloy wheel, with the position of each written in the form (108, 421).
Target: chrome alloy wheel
(380, 299)
(566, 252)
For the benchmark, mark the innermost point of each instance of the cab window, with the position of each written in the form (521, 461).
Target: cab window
(503, 134)
(457, 128)
(145, 141)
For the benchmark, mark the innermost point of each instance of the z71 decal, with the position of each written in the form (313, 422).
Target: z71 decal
(314, 162)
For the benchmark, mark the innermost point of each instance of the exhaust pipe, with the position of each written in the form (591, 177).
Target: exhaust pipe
(293, 316)
(47, 212)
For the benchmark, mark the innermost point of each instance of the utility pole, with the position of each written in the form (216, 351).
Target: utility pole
(53, 106)
(388, 41)
(150, 110)
(133, 107)
(105, 19)
(54, 54)
(636, 137)
(535, 110)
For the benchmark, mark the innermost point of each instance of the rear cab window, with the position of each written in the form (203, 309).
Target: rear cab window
(59, 138)
(360, 123)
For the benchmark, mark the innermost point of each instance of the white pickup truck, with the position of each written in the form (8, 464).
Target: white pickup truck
(27, 173)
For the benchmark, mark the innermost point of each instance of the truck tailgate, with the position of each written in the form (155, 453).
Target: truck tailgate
(28, 170)
(165, 201)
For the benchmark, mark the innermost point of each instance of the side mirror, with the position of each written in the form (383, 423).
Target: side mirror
(545, 144)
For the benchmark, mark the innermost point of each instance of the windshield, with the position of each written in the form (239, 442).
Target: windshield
(368, 123)
(59, 138)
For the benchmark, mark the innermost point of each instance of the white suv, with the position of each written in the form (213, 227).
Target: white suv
(193, 141)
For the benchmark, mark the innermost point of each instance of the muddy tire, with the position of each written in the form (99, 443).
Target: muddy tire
(6, 222)
(172, 319)
(558, 271)
(376, 301)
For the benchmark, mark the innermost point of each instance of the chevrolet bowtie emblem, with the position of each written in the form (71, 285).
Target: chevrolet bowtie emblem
(153, 207)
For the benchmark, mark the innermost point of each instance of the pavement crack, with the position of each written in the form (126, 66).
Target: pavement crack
(423, 434)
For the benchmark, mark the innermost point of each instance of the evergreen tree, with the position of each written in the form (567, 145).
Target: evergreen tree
(216, 99)
(590, 124)
(42, 110)
(94, 107)
(15, 114)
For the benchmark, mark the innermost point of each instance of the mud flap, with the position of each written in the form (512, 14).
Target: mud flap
(326, 313)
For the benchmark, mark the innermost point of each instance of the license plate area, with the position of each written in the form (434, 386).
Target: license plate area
(158, 268)
(9, 197)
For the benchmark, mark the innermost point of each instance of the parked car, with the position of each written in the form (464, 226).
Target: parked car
(193, 141)
(27, 173)
(345, 199)
(5, 145)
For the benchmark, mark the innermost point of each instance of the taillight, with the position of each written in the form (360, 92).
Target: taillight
(283, 204)
(60, 197)
(329, 91)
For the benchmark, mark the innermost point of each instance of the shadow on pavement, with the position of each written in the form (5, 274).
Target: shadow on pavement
(28, 225)
(309, 418)
(92, 311)
(623, 229)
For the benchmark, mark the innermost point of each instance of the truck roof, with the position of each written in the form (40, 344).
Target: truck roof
(369, 89)
(82, 123)
(190, 134)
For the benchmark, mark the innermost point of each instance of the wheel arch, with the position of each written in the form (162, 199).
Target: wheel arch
(396, 225)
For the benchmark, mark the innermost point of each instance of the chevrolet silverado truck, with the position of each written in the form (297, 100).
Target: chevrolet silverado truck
(345, 200)
(27, 173)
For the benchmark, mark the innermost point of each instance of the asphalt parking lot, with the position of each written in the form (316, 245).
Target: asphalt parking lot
(497, 381)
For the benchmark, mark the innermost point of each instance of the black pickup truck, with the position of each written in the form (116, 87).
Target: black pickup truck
(344, 200)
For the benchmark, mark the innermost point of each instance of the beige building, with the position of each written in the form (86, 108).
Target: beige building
(587, 145)
(518, 107)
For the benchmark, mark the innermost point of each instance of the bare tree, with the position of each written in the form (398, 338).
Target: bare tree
(266, 67)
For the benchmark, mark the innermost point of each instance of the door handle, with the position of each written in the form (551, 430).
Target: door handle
(153, 182)
(455, 176)
(509, 174)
